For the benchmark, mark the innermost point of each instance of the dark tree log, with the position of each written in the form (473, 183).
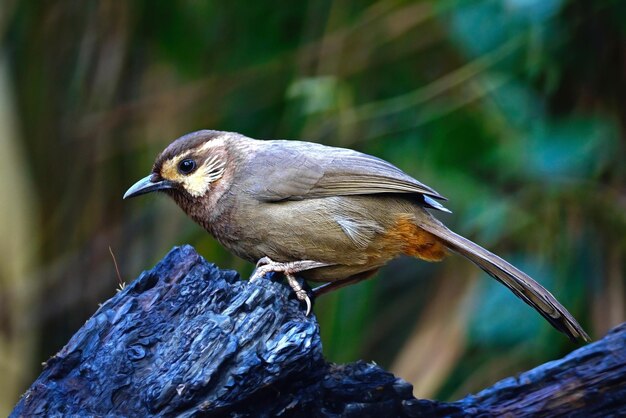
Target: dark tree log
(188, 339)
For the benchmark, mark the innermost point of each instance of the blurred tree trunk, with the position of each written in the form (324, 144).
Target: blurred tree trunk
(18, 244)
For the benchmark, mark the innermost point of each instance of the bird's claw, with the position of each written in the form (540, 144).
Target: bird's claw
(266, 265)
(263, 266)
(304, 297)
(264, 261)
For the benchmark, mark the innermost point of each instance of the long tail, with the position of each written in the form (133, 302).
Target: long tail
(519, 282)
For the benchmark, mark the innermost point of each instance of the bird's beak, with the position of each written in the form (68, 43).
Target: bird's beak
(146, 185)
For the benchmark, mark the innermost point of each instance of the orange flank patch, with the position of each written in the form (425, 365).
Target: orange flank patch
(414, 241)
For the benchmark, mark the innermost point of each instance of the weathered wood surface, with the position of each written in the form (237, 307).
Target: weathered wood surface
(188, 339)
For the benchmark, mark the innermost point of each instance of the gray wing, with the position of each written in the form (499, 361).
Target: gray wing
(295, 170)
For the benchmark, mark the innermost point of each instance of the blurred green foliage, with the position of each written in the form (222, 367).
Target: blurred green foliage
(514, 109)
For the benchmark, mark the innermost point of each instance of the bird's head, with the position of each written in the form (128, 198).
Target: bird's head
(188, 168)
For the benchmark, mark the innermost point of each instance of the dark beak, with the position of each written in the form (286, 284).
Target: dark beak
(146, 185)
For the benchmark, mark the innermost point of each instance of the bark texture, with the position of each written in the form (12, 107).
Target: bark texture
(189, 339)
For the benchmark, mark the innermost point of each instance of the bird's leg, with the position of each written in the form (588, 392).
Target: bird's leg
(266, 265)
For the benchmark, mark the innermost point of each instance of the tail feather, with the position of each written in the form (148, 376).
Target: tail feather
(517, 281)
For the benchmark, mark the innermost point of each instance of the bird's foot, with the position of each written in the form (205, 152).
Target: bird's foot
(262, 262)
(266, 265)
(301, 294)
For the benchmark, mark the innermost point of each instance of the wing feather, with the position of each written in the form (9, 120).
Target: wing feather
(360, 231)
(296, 170)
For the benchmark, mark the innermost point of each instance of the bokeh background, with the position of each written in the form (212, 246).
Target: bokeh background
(513, 109)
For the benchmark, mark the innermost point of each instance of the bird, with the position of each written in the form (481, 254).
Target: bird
(322, 213)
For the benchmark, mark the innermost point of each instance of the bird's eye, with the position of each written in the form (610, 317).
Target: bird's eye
(186, 166)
